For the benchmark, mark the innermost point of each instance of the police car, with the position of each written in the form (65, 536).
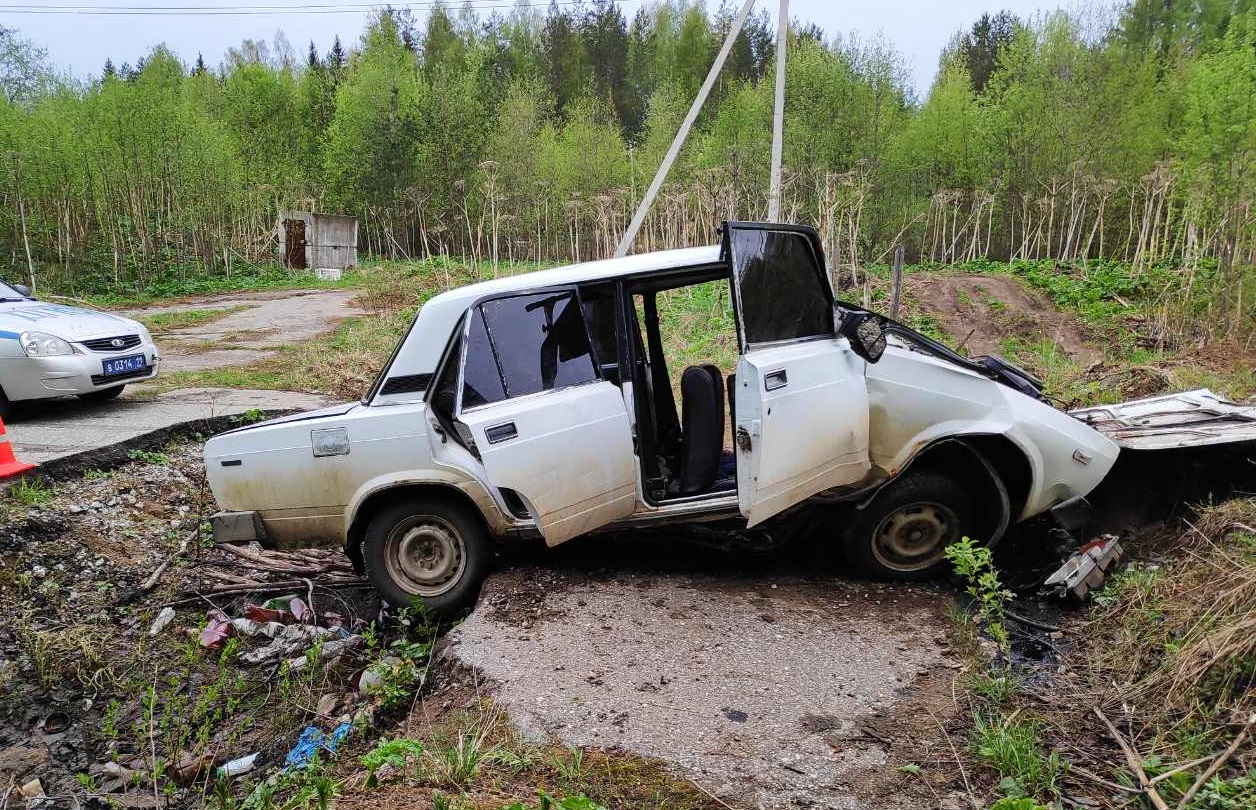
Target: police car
(51, 350)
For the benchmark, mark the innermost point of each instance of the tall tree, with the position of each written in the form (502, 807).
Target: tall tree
(565, 64)
(25, 73)
(979, 47)
(605, 34)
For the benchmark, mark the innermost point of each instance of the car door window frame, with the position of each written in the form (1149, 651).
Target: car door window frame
(468, 319)
(812, 239)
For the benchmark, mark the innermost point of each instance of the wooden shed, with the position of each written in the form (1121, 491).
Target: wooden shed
(318, 241)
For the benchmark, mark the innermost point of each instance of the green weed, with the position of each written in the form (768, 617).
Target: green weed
(994, 687)
(1010, 746)
(396, 753)
(457, 763)
(571, 767)
(149, 457)
(248, 417)
(974, 564)
(31, 491)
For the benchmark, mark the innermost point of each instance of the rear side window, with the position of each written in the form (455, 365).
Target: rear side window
(524, 345)
(781, 288)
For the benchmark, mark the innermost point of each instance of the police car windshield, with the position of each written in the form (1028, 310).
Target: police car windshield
(7, 293)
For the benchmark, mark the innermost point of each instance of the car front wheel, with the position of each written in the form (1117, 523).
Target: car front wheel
(903, 533)
(429, 549)
(103, 395)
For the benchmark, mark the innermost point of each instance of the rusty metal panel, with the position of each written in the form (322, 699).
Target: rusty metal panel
(1191, 419)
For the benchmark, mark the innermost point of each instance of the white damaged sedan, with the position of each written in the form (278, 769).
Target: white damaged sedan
(51, 350)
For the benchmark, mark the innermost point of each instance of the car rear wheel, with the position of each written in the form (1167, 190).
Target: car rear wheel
(429, 549)
(903, 533)
(5, 407)
(103, 395)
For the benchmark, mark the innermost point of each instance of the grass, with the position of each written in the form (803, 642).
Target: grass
(1183, 636)
(1010, 746)
(100, 290)
(163, 323)
(473, 758)
(33, 491)
(1168, 652)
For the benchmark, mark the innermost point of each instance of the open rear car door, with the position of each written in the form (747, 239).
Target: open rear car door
(801, 400)
(543, 423)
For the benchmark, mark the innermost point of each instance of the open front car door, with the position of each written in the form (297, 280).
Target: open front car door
(531, 404)
(801, 400)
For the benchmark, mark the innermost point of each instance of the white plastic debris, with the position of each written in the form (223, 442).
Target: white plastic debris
(237, 766)
(163, 620)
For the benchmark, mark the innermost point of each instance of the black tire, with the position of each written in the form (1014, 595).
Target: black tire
(903, 533)
(430, 549)
(6, 409)
(103, 395)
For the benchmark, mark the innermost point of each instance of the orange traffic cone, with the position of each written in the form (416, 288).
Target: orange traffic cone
(9, 465)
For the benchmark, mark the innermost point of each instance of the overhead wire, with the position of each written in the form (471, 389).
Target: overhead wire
(257, 10)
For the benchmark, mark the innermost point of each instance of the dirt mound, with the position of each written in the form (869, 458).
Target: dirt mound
(983, 311)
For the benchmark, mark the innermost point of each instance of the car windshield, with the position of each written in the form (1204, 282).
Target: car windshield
(7, 293)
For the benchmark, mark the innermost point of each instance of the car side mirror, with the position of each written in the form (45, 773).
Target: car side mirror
(863, 331)
(23, 289)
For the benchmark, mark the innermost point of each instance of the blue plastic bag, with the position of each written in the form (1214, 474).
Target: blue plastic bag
(313, 740)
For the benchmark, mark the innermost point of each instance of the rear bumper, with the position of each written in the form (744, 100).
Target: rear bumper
(238, 527)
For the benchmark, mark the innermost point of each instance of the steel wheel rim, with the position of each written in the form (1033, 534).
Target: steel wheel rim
(914, 537)
(426, 555)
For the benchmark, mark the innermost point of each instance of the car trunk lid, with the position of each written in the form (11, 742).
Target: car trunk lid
(1191, 419)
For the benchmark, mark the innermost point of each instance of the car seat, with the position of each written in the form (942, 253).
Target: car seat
(702, 428)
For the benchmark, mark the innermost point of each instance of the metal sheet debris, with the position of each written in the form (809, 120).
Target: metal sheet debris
(1190, 419)
(1086, 570)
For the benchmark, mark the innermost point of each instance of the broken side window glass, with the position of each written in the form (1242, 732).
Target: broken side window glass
(782, 292)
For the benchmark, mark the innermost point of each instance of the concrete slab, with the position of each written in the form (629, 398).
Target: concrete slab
(767, 690)
(52, 430)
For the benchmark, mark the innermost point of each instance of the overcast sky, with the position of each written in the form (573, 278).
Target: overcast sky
(79, 42)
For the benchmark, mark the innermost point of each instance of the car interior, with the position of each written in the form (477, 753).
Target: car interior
(683, 418)
(682, 421)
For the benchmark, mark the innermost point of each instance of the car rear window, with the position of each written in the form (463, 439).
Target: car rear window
(523, 345)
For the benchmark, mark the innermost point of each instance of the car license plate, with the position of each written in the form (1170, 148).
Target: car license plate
(125, 365)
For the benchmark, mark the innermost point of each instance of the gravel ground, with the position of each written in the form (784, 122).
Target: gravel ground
(766, 691)
(76, 641)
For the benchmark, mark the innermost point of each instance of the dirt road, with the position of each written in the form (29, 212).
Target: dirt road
(260, 322)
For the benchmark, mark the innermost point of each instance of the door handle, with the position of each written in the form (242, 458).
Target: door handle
(501, 433)
(775, 379)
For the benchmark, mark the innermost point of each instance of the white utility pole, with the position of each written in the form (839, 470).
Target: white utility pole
(778, 115)
(630, 235)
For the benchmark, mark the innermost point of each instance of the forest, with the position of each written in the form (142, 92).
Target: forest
(1124, 136)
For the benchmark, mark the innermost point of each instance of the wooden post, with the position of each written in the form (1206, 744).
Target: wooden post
(896, 290)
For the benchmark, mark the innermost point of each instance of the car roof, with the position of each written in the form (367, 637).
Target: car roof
(602, 270)
(421, 349)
